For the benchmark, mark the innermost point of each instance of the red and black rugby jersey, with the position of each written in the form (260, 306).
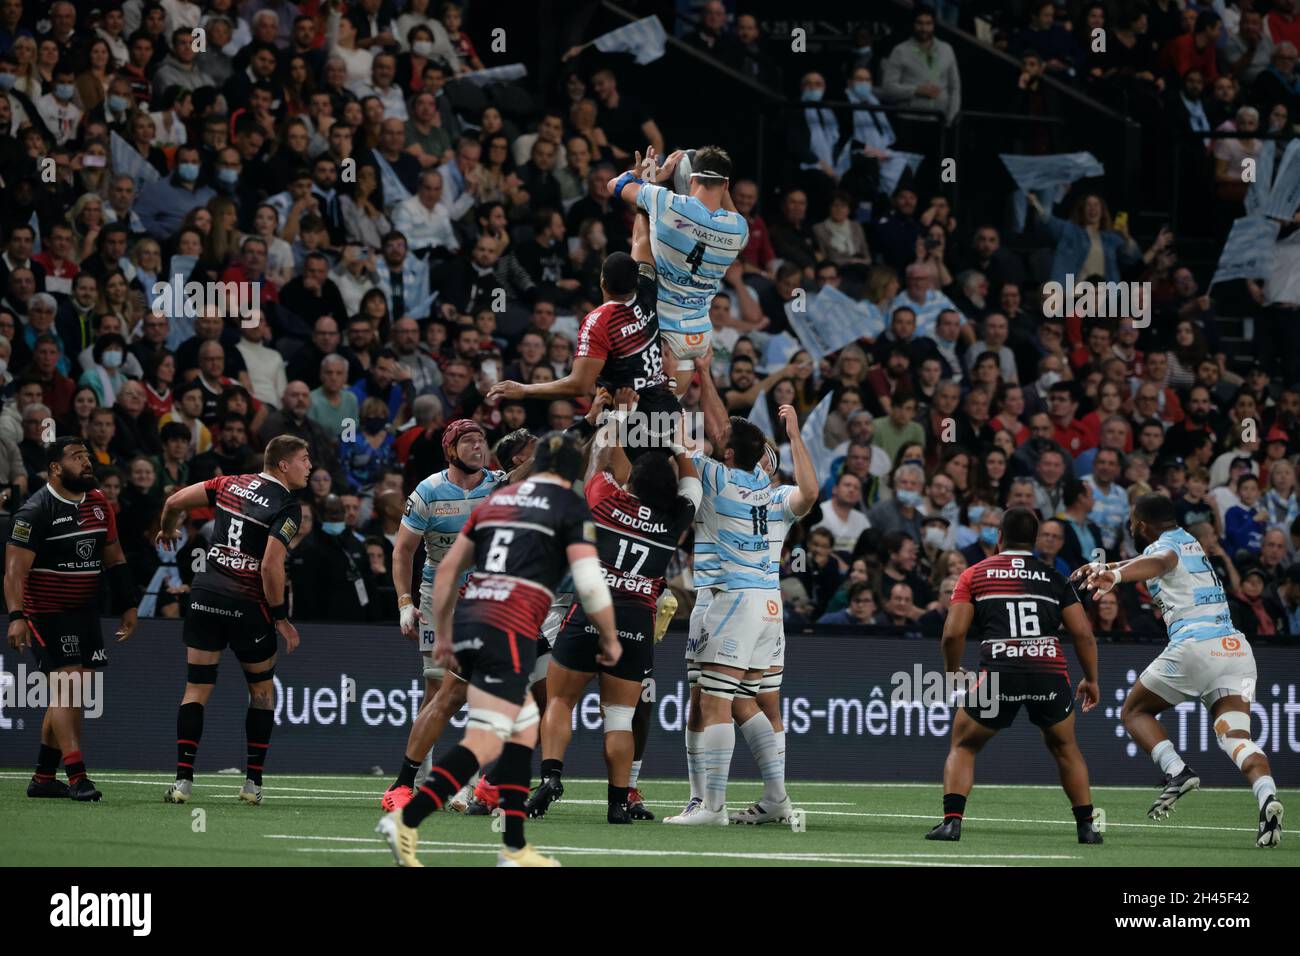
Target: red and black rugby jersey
(249, 508)
(69, 538)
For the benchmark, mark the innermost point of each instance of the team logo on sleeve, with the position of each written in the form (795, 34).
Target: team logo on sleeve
(98, 513)
(407, 509)
(22, 531)
(589, 532)
(290, 528)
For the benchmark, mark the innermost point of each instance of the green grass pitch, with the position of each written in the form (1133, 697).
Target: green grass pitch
(328, 821)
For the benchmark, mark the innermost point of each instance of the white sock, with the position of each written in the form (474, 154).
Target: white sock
(717, 744)
(779, 737)
(636, 773)
(1166, 758)
(693, 764)
(762, 744)
(1264, 788)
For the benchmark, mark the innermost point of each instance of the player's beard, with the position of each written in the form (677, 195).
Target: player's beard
(1140, 542)
(82, 482)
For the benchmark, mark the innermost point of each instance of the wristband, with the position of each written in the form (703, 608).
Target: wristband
(280, 612)
(18, 615)
(404, 600)
(677, 449)
(628, 177)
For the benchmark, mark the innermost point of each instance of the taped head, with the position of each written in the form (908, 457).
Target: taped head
(558, 453)
(451, 437)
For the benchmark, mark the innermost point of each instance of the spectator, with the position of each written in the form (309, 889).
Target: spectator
(921, 73)
(842, 517)
(861, 609)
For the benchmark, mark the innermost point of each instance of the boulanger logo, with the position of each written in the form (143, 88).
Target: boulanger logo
(76, 909)
(773, 608)
(1230, 644)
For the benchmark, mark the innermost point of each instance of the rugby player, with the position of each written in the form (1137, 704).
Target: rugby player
(238, 599)
(436, 511)
(1207, 660)
(689, 241)
(734, 639)
(641, 511)
(766, 736)
(1018, 605)
(520, 542)
(618, 347)
(63, 541)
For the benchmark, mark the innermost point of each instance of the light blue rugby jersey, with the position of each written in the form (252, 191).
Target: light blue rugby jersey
(732, 527)
(779, 519)
(692, 249)
(1190, 597)
(438, 508)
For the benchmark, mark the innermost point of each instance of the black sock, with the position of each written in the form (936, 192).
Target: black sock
(512, 772)
(47, 763)
(189, 731)
(617, 796)
(1082, 815)
(257, 728)
(552, 768)
(447, 776)
(406, 775)
(954, 805)
(74, 766)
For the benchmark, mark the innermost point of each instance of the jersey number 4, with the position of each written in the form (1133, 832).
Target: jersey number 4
(496, 556)
(695, 257)
(1025, 613)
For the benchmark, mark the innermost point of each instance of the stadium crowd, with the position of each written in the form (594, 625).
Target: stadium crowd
(414, 238)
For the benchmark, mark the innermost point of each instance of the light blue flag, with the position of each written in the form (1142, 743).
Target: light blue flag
(760, 416)
(779, 350)
(1047, 177)
(496, 74)
(1248, 253)
(645, 39)
(832, 321)
(1284, 190)
(891, 169)
(813, 434)
(394, 191)
(127, 161)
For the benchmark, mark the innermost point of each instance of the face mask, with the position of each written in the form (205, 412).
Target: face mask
(7, 81)
(909, 499)
(935, 537)
(112, 359)
(334, 528)
(914, 461)
(975, 514)
(373, 426)
(64, 91)
(422, 48)
(812, 96)
(228, 177)
(862, 89)
(989, 537)
(118, 104)
(1048, 379)
(188, 171)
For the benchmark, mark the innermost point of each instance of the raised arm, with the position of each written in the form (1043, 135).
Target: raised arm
(580, 382)
(717, 423)
(805, 474)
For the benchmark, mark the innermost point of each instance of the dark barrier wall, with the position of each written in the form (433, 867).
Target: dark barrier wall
(345, 699)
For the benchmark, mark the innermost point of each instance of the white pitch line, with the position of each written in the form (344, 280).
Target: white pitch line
(968, 819)
(617, 850)
(892, 859)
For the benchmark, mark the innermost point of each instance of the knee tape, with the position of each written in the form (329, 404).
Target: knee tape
(257, 678)
(771, 683)
(201, 673)
(480, 718)
(749, 688)
(1238, 749)
(528, 716)
(692, 674)
(717, 684)
(431, 670)
(617, 717)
